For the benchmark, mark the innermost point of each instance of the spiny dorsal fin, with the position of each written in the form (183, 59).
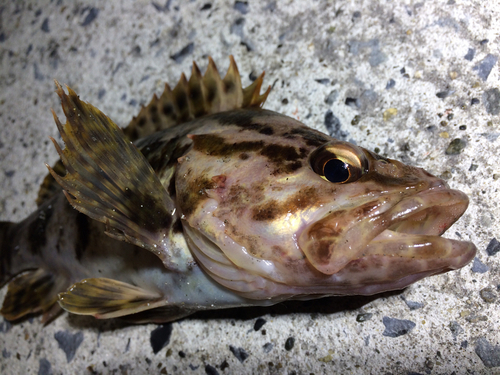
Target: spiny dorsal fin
(109, 180)
(201, 95)
(107, 298)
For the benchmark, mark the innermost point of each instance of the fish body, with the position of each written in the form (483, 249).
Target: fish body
(219, 203)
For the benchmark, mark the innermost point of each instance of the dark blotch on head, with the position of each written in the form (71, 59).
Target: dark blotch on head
(273, 209)
(280, 154)
(266, 130)
(194, 193)
(216, 146)
(268, 211)
(244, 156)
(292, 167)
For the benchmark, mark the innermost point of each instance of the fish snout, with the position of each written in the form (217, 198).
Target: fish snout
(407, 228)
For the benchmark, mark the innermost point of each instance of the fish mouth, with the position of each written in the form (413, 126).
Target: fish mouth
(414, 228)
(407, 232)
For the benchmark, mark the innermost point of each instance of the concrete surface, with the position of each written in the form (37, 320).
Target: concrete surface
(435, 62)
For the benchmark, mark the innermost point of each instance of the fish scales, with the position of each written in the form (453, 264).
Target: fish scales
(218, 203)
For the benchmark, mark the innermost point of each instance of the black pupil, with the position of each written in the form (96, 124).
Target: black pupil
(336, 170)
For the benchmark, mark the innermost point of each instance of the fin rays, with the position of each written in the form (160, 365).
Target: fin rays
(31, 292)
(107, 298)
(200, 95)
(109, 180)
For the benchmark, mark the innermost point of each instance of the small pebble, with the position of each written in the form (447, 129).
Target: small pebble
(493, 247)
(390, 113)
(456, 146)
(488, 295)
(259, 323)
(363, 317)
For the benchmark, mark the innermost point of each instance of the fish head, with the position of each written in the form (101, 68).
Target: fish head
(276, 208)
(386, 231)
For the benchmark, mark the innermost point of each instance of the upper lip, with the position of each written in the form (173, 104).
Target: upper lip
(430, 212)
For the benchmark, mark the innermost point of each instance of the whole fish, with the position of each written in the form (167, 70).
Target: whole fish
(207, 201)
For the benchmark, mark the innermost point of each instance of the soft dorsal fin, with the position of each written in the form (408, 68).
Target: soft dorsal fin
(107, 298)
(109, 180)
(201, 95)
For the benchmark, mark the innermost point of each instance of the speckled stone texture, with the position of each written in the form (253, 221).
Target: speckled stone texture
(415, 81)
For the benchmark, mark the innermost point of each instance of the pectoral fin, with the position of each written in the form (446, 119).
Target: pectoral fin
(109, 180)
(107, 298)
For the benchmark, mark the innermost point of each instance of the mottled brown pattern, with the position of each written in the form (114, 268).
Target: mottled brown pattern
(239, 196)
(194, 193)
(283, 158)
(281, 154)
(29, 293)
(272, 209)
(108, 179)
(251, 242)
(215, 145)
(323, 250)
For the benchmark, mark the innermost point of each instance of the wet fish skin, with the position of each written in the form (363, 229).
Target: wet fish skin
(271, 224)
(239, 207)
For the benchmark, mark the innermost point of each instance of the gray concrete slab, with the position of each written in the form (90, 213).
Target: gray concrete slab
(431, 65)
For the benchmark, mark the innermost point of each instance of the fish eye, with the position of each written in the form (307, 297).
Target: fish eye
(339, 162)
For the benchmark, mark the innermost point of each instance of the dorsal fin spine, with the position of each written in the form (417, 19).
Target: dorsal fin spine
(200, 95)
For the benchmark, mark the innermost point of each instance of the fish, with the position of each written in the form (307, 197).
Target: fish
(208, 201)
